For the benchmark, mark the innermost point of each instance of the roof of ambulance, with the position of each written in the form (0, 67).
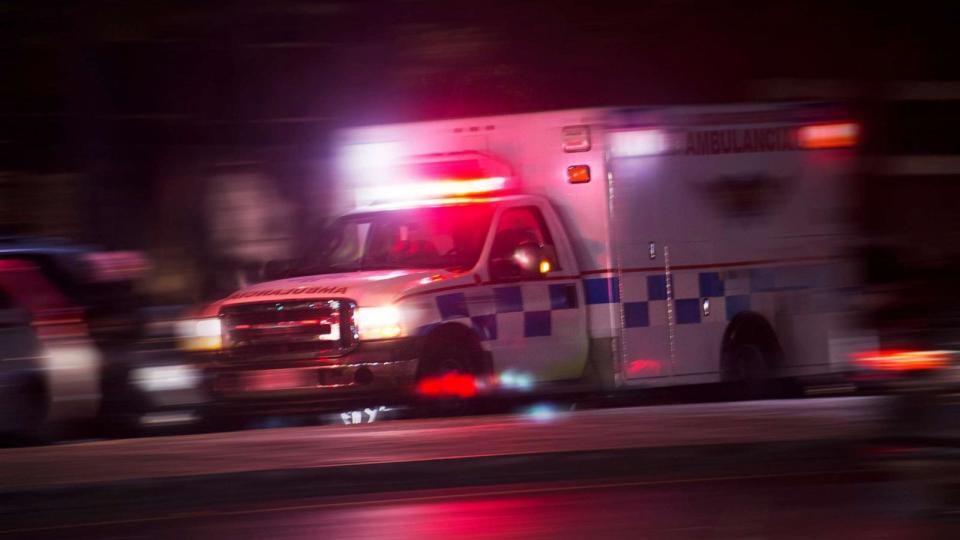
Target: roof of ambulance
(592, 114)
(437, 203)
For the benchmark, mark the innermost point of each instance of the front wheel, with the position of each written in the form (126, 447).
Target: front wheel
(750, 373)
(448, 374)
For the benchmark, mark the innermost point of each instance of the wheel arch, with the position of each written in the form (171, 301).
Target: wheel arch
(455, 333)
(750, 327)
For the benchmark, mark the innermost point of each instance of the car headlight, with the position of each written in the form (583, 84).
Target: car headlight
(160, 378)
(378, 322)
(199, 334)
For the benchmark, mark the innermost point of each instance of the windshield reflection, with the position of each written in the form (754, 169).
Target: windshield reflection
(448, 237)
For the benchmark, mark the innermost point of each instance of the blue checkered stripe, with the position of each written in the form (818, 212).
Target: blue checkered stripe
(645, 296)
(539, 309)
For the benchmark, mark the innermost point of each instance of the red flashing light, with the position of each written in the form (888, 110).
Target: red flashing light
(902, 360)
(448, 385)
(823, 136)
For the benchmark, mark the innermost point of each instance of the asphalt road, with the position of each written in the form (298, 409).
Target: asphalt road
(440, 439)
(802, 505)
(781, 469)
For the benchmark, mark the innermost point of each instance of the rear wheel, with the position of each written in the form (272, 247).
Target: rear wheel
(751, 356)
(754, 378)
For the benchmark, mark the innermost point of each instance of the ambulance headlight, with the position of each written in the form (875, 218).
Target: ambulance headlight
(165, 378)
(380, 322)
(199, 334)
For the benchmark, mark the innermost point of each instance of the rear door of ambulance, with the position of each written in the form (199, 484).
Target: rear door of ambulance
(640, 279)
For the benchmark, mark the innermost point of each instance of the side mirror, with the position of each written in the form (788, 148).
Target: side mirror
(527, 258)
(525, 262)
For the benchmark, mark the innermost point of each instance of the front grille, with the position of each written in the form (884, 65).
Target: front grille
(288, 330)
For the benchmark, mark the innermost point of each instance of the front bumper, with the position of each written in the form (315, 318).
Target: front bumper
(376, 372)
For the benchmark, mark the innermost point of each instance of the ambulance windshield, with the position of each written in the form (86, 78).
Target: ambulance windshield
(448, 237)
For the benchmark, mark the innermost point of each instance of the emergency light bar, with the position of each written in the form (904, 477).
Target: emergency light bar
(642, 142)
(436, 176)
(435, 189)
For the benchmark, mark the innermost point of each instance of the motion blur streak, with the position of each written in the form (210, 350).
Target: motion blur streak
(903, 360)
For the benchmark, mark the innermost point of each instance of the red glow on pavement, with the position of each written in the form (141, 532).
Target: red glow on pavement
(902, 360)
(448, 385)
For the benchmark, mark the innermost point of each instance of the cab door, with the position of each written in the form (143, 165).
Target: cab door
(537, 297)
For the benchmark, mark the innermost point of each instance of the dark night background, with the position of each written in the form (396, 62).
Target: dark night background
(115, 114)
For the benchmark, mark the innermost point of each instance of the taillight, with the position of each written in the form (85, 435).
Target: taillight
(902, 360)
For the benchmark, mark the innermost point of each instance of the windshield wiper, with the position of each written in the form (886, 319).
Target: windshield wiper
(325, 269)
(384, 266)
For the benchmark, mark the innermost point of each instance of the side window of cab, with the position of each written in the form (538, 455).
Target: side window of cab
(522, 246)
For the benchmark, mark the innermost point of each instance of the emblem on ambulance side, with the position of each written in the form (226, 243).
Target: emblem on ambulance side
(744, 196)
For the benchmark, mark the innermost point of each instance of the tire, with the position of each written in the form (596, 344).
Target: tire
(754, 380)
(751, 356)
(448, 361)
(447, 352)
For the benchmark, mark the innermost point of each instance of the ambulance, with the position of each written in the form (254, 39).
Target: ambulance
(600, 248)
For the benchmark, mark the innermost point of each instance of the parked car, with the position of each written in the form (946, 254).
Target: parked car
(81, 351)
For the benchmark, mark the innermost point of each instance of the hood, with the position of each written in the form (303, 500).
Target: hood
(370, 288)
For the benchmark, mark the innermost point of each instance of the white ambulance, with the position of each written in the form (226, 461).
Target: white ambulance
(603, 247)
